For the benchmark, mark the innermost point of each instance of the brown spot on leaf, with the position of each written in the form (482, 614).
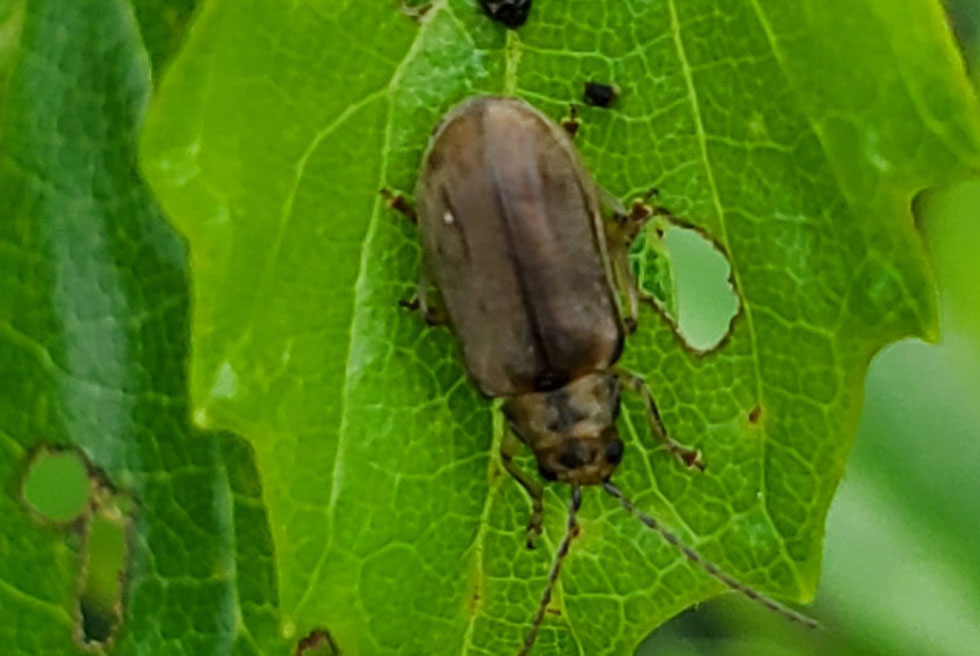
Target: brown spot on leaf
(416, 10)
(318, 642)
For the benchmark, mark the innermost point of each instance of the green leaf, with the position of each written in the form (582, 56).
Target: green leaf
(162, 25)
(794, 134)
(650, 265)
(94, 340)
(903, 496)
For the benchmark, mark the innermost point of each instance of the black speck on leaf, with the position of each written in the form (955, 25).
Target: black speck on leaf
(599, 94)
(510, 13)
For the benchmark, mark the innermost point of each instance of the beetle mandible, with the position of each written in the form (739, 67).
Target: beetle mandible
(531, 278)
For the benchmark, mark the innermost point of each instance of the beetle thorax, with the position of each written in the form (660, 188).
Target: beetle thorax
(571, 429)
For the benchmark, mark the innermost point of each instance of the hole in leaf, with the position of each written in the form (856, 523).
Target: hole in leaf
(705, 301)
(61, 486)
(651, 267)
(56, 486)
(317, 643)
(106, 555)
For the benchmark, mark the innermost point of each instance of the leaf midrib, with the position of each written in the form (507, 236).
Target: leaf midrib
(360, 294)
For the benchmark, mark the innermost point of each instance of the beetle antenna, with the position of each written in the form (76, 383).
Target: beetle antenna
(709, 566)
(563, 547)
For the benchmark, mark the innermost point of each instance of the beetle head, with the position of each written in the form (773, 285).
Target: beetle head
(572, 429)
(588, 460)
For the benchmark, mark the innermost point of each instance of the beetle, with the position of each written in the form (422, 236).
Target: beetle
(532, 279)
(513, 238)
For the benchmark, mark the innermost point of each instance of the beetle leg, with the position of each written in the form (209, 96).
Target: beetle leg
(625, 285)
(571, 124)
(420, 302)
(433, 316)
(399, 203)
(508, 449)
(690, 457)
(620, 231)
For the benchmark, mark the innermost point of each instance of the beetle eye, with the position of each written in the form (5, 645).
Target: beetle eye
(614, 452)
(546, 473)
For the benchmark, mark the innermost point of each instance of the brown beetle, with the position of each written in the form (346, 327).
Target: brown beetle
(514, 239)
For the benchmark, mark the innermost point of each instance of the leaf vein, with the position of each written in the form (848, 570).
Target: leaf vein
(736, 278)
(336, 475)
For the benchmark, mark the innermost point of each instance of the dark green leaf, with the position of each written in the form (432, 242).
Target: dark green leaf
(93, 345)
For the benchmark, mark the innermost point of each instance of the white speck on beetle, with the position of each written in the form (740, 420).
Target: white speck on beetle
(447, 218)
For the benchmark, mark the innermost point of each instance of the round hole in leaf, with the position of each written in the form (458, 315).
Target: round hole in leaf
(56, 486)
